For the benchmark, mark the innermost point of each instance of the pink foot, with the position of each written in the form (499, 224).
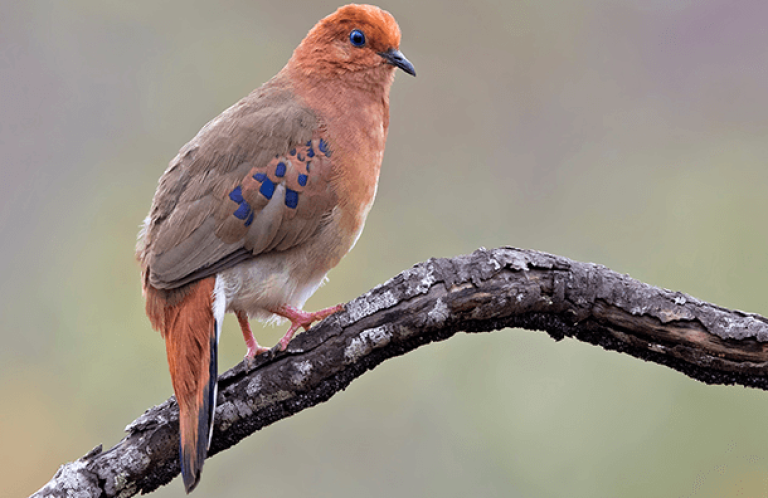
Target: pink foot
(303, 319)
(250, 341)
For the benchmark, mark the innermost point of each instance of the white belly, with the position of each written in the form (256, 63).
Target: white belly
(287, 278)
(267, 282)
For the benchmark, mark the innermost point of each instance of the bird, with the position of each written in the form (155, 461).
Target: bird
(270, 195)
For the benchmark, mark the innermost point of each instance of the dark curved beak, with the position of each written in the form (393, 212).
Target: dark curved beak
(397, 59)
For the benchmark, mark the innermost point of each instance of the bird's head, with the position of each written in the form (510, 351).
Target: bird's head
(355, 39)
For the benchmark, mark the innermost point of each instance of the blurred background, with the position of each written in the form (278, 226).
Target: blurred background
(628, 133)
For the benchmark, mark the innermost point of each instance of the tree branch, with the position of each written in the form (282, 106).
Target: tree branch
(487, 290)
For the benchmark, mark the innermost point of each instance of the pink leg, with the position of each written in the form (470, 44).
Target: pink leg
(303, 319)
(250, 341)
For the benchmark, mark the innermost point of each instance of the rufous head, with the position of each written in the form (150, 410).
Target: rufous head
(353, 39)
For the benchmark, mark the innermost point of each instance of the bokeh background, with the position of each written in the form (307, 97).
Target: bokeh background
(628, 133)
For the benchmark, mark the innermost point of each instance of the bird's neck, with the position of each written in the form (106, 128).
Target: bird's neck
(358, 98)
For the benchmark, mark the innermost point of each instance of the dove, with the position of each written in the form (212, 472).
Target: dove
(254, 211)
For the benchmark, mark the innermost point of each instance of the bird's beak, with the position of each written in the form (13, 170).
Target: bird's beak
(397, 59)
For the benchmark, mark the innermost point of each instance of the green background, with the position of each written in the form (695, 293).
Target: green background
(627, 133)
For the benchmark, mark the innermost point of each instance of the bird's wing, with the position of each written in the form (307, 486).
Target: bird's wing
(254, 180)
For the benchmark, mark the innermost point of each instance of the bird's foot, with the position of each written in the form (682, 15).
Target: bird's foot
(254, 349)
(250, 341)
(302, 319)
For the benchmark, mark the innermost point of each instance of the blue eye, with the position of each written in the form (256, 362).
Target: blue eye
(357, 38)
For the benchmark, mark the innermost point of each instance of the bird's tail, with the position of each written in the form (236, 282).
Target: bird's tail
(191, 331)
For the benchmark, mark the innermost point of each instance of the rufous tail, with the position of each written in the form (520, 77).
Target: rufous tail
(190, 332)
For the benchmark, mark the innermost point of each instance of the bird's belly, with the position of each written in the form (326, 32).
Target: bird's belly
(265, 283)
(288, 278)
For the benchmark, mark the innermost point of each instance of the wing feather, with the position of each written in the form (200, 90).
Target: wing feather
(255, 179)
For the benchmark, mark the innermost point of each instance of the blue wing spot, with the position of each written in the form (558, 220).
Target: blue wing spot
(236, 194)
(300, 157)
(280, 169)
(309, 143)
(311, 152)
(308, 163)
(291, 198)
(259, 177)
(267, 188)
(243, 211)
(323, 146)
(303, 180)
(293, 152)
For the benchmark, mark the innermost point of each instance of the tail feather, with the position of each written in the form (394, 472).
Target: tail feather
(190, 331)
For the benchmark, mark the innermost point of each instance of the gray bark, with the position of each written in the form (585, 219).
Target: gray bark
(487, 290)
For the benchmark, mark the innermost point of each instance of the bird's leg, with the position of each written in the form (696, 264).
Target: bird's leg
(250, 341)
(303, 319)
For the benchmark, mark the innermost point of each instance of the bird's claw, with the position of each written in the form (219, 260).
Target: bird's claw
(302, 319)
(255, 350)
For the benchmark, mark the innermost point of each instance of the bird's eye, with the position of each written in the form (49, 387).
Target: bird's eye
(357, 38)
